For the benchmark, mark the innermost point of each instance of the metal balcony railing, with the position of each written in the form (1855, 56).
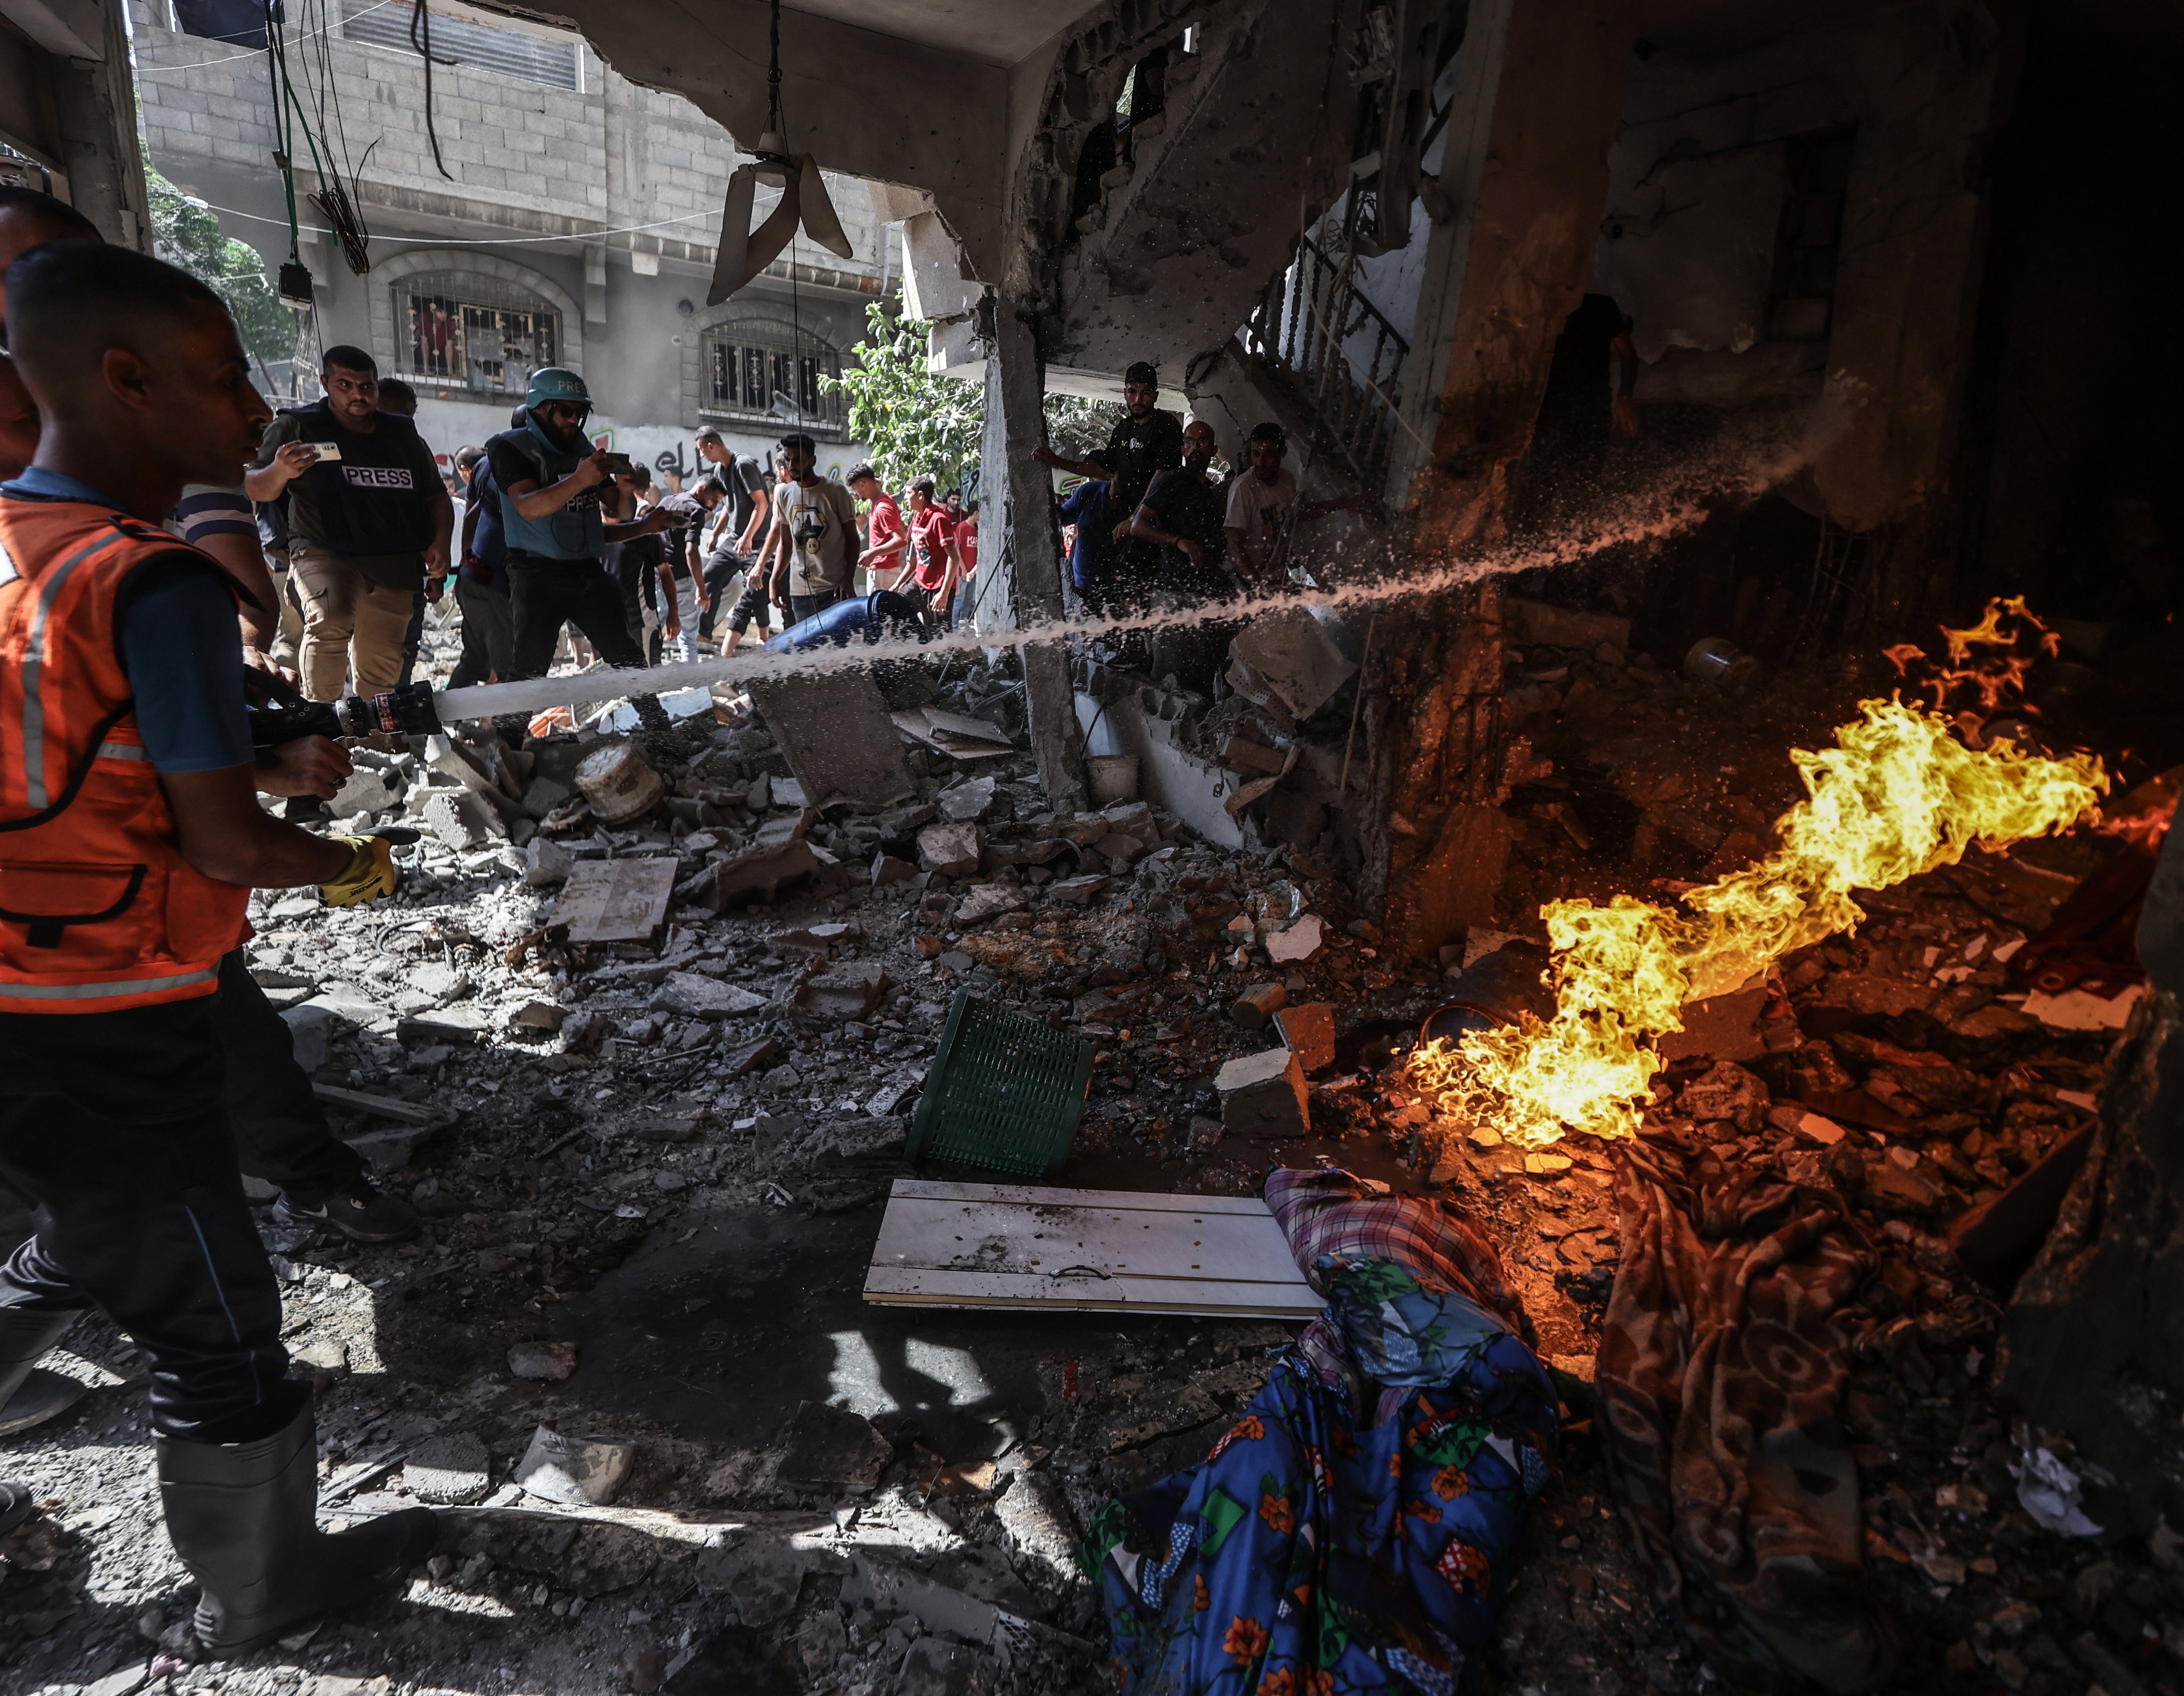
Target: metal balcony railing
(1335, 354)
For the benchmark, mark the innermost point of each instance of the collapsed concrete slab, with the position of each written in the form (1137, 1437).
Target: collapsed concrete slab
(835, 732)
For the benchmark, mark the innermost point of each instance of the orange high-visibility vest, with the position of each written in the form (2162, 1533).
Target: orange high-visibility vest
(98, 909)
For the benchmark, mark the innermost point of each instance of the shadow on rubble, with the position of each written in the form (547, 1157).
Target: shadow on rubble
(723, 1332)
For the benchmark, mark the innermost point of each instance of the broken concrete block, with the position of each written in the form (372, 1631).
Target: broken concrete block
(752, 1057)
(538, 1017)
(1292, 654)
(788, 791)
(1308, 1029)
(1117, 849)
(1300, 942)
(449, 1471)
(834, 729)
(987, 900)
(760, 869)
(949, 850)
(887, 869)
(833, 1447)
(1076, 892)
(784, 827)
(1257, 1004)
(543, 796)
(574, 1469)
(586, 1033)
(1264, 1095)
(968, 801)
(689, 995)
(546, 863)
(366, 791)
(849, 991)
(542, 1361)
(310, 1029)
(1241, 753)
(460, 820)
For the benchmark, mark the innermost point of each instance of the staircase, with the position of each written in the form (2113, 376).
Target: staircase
(1333, 357)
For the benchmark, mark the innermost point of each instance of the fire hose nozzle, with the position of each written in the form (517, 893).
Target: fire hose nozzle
(408, 710)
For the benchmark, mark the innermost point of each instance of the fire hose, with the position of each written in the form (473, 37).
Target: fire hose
(418, 709)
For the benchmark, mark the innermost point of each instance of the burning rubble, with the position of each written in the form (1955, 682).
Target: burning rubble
(569, 1116)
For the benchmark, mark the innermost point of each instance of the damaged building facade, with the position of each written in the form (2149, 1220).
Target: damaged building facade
(554, 214)
(1857, 302)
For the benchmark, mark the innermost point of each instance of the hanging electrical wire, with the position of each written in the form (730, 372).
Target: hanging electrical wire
(420, 37)
(332, 197)
(338, 194)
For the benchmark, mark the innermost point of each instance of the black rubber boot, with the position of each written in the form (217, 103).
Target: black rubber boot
(29, 1397)
(242, 1517)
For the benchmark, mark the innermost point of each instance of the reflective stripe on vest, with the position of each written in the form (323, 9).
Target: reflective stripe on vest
(99, 909)
(34, 671)
(107, 991)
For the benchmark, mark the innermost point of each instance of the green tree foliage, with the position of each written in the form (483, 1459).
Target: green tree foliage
(1076, 425)
(921, 426)
(189, 239)
(918, 425)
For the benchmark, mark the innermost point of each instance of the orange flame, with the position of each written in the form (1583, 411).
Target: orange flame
(1897, 796)
(1987, 662)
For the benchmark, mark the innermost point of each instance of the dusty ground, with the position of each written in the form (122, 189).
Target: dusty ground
(685, 1211)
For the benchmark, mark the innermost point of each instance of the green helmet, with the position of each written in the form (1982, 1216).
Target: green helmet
(557, 382)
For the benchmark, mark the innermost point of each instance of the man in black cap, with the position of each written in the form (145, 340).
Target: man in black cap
(1145, 443)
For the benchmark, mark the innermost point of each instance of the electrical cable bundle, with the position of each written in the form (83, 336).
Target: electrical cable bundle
(334, 198)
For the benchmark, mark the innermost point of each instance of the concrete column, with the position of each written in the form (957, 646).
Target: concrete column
(1523, 187)
(1516, 210)
(1023, 547)
(95, 107)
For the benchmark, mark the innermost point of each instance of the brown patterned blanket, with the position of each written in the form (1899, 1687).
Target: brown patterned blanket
(1721, 1374)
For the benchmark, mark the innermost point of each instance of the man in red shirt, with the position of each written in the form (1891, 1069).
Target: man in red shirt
(967, 557)
(933, 570)
(884, 535)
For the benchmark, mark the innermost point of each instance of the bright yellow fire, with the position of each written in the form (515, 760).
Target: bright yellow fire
(1897, 795)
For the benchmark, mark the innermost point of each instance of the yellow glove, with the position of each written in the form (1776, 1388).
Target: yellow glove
(371, 873)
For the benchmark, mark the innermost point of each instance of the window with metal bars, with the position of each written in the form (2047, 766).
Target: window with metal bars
(474, 332)
(757, 367)
(480, 47)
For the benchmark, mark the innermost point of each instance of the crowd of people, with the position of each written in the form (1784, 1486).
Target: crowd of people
(169, 546)
(542, 529)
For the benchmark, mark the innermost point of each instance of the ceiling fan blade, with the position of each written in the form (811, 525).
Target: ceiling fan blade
(728, 256)
(819, 222)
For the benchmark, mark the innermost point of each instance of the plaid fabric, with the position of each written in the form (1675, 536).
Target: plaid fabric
(1329, 1211)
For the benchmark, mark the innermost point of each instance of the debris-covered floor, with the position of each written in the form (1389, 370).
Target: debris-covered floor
(650, 1172)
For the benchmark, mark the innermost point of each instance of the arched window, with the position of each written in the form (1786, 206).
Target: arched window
(462, 330)
(760, 368)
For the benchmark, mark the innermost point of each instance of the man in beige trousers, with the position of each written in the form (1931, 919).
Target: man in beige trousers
(368, 522)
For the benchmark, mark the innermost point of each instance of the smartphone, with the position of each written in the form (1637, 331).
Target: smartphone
(325, 450)
(618, 463)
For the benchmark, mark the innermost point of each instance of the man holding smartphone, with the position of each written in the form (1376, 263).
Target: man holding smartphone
(368, 522)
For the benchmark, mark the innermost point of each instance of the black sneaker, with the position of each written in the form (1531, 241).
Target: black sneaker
(361, 1213)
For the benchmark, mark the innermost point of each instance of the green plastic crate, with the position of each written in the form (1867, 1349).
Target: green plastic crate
(1005, 1092)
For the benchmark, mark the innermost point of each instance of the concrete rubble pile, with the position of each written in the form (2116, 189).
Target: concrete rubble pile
(556, 1107)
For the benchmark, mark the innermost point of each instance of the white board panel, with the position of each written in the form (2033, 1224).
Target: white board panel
(1012, 1245)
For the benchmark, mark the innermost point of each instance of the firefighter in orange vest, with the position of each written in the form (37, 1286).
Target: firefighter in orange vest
(130, 838)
